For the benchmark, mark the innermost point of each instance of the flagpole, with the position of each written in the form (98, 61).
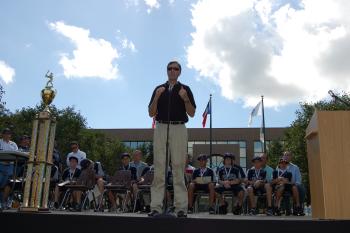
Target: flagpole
(210, 133)
(263, 118)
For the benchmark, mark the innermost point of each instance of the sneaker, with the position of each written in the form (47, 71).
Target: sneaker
(237, 210)
(190, 210)
(223, 208)
(211, 210)
(269, 211)
(298, 211)
(56, 205)
(5, 206)
(181, 214)
(301, 212)
(147, 209)
(153, 213)
(278, 212)
(252, 211)
(76, 208)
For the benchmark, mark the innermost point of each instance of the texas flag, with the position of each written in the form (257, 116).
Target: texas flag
(205, 114)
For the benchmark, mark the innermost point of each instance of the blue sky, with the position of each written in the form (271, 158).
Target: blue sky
(107, 56)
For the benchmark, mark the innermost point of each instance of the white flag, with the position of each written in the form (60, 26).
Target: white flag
(255, 111)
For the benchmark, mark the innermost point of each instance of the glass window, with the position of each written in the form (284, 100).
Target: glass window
(243, 162)
(221, 142)
(232, 142)
(242, 144)
(126, 144)
(133, 145)
(139, 144)
(199, 142)
(190, 150)
(258, 147)
(242, 152)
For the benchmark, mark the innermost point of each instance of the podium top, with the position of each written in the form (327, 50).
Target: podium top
(10, 156)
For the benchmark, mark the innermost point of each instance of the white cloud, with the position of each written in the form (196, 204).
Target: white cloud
(91, 58)
(288, 52)
(128, 44)
(150, 4)
(6, 72)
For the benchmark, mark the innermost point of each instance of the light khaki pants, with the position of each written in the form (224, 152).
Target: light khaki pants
(177, 155)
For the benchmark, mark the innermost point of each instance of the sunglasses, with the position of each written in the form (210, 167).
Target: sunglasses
(173, 68)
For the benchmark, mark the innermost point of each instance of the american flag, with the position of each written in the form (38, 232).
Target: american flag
(205, 114)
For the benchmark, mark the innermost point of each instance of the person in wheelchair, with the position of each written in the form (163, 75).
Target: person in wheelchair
(257, 185)
(69, 175)
(281, 183)
(202, 180)
(229, 180)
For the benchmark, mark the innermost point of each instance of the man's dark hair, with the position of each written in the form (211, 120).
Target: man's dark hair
(6, 131)
(174, 62)
(74, 143)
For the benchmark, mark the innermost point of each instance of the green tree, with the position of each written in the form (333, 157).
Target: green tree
(3, 110)
(69, 124)
(100, 148)
(274, 152)
(294, 139)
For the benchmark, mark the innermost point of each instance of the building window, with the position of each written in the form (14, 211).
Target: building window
(258, 147)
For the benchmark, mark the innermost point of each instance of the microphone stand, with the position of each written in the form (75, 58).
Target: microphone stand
(165, 213)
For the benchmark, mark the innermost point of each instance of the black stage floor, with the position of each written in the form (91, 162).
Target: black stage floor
(66, 222)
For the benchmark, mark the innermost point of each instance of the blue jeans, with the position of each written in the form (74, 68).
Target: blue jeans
(302, 193)
(6, 171)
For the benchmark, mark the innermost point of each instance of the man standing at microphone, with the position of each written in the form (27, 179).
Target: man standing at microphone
(171, 103)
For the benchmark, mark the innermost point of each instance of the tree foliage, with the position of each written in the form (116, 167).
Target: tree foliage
(294, 139)
(3, 110)
(71, 126)
(100, 148)
(274, 151)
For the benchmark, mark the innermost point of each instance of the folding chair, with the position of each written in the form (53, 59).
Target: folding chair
(120, 183)
(226, 194)
(145, 187)
(85, 184)
(197, 196)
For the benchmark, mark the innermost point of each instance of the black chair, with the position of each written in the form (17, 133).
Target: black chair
(144, 187)
(120, 184)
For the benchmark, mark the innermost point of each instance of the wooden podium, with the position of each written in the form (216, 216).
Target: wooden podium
(328, 151)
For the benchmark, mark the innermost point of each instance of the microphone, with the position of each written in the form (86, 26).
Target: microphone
(170, 87)
(330, 92)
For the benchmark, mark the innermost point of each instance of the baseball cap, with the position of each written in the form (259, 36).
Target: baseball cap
(202, 157)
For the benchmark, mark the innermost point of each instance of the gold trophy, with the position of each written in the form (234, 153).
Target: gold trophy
(48, 93)
(36, 189)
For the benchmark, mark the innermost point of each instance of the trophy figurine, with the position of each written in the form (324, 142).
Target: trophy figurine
(36, 189)
(48, 93)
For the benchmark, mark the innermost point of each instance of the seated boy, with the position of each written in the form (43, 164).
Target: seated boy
(257, 184)
(125, 159)
(71, 174)
(281, 182)
(228, 179)
(202, 179)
